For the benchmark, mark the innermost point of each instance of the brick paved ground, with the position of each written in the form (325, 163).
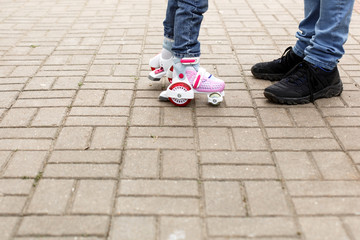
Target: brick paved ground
(88, 152)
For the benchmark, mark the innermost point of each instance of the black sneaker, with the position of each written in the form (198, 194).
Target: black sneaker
(305, 83)
(276, 69)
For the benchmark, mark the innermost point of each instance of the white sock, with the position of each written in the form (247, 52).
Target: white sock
(166, 54)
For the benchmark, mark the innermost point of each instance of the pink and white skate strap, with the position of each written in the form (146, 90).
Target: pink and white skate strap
(200, 74)
(159, 70)
(190, 61)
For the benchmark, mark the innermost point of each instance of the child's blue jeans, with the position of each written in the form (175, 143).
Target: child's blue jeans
(182, 24)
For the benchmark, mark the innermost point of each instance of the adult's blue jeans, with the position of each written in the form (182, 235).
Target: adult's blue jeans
(324, 31)
(182, 24)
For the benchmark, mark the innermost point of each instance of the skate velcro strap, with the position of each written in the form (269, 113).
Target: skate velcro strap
(159, 70)
(200, 74)
(190, 61)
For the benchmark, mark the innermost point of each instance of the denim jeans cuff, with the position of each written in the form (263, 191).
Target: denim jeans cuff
(298, 51)
(168, 36)
(168, 43)
(181, 55)
(328, 66)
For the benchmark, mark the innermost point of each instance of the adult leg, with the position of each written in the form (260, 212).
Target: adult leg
(307, 26)
(331, 33)
(317, 76)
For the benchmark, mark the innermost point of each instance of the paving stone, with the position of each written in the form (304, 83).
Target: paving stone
(227, 121)
(154, 142)
(347, 137)
(51, 197)
(180, 228)
(297, 165)
(249, 139)
(179, 164)
(4, 157)
(46, 94)
(89, 98)
(18, 117)
(99, 111)
(40, 83)
(327, 205)
(298, 133)
(214, 139)
(7, 225)
(89, 156)
(157, 205)
(251, 227)
(172, 117)
(146, 116)
(61, 238)
(100, 70)
(49, 117)
(73, 138)
(24, 71)
(25, 103)
(353, 223)
(159, 188)
(25, 144)
(27, 133)
(301, 145)
(133, 228)
(275, 117)
(324, 188)
(108, 138)
(335, 165)
(225, 112)
(64, 82)
(244, 157)
(118, 98)
(77, 171)
(327, 227)
(96, 121)
(266, 198)
(239, 172)
(25, 164)
(11, 204)
(355, 156)
(60, 225)
(94, 196)
(136, 165)
(223, 199)
(301, 117)
(15, 186)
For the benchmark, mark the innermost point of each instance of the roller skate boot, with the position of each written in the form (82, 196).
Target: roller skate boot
(190, 79)
(160, 64)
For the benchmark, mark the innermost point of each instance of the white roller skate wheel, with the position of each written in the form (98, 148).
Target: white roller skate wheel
(215, 99)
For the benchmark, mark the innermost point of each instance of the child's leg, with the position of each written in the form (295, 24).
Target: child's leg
(161, 63)
(188, 18)
(169, 22)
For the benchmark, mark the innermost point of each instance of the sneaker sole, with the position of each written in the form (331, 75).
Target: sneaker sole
(331, 91)
(268, 76)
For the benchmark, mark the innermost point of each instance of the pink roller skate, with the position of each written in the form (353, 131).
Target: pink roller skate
(190, 79)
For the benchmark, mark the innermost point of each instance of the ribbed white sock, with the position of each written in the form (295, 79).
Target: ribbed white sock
(166, 54)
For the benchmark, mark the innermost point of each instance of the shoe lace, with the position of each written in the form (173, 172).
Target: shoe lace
(285, 56)
(303, 72)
